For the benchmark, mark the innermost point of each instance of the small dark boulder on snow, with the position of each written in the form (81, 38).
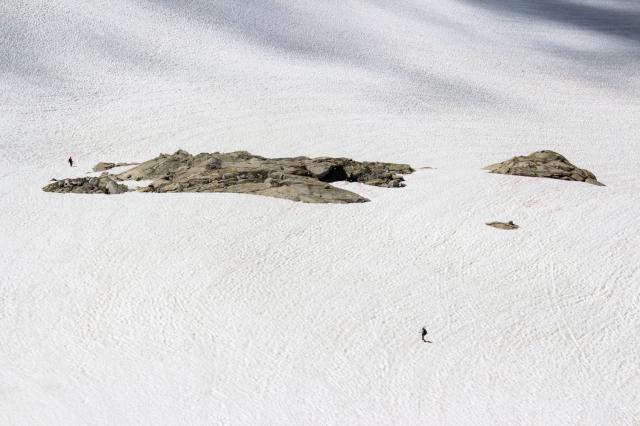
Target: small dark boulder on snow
(546, 164)
(502, 225)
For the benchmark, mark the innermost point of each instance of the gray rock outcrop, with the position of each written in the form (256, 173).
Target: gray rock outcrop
(299, 178)
(87, 185)
(546, 164)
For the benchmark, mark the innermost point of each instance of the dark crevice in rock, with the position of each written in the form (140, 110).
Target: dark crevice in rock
(335, 174)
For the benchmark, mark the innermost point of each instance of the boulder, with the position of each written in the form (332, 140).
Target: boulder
(546, 164)
(502, 225)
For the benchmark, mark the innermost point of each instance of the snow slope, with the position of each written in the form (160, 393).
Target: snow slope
(232, 309)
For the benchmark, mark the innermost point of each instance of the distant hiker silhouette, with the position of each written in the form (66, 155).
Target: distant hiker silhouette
(70, 160)
(424, 335)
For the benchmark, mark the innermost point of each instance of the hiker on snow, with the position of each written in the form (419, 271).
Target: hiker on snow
(70, 161)
(424, 335)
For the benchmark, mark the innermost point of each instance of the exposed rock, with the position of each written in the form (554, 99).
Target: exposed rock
(502, 225)
(299, 178)
(116, 188)
(101, 167)
(87, 185)
(547, 164)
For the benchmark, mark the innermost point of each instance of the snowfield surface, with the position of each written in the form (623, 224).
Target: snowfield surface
(234, 309)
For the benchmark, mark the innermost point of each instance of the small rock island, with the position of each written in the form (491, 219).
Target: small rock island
(546, 164)
(301, 179)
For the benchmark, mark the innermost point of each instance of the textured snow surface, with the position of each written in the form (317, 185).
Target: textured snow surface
(233, 309)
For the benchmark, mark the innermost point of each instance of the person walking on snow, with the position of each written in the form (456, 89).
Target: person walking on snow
(70, 160)
(424, 335)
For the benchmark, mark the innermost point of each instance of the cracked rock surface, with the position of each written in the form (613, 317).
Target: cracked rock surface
(547, 164)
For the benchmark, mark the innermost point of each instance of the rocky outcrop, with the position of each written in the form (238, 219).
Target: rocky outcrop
(87, 185)
(502, 225)
(547, 164)
(101, 167)
(299, 178)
